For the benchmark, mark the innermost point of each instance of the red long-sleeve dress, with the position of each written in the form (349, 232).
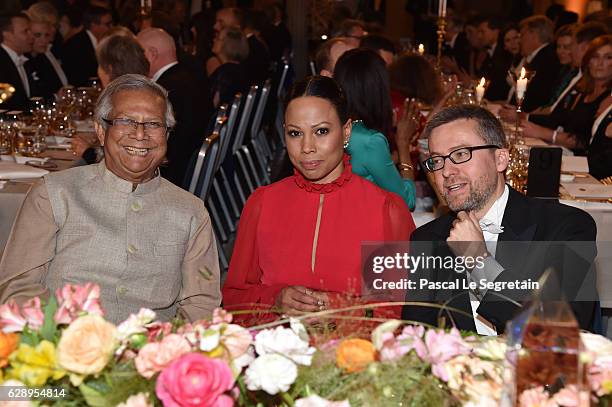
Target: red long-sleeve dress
(295, 232)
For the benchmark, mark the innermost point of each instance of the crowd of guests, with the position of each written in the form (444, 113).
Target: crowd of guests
(223, 53)
(354, 134)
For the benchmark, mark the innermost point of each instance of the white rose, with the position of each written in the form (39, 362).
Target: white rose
(285, 342)
(135, 324)
(483, 401)
(271, 373)
(599, 345)
(316, 401)
(209, 340)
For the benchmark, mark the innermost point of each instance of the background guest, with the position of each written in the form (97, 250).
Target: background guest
(362, 75)
(188, 94)
(47, 73)
(600, 147)
(257, 63)
(119, 55)
(328, 53)
(231, 47)
(276, 34)
(17, 40)
(44, 11)
(79, 57)
(381, 45)
(498, 60)
(571, 124)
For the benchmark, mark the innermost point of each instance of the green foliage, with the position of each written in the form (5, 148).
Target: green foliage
(49, 329)
(115, 386)
(407, 380)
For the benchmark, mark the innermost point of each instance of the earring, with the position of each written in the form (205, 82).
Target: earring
(346, 143)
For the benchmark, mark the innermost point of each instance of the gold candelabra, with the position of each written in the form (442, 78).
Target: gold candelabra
(441, 33)
(6, 91)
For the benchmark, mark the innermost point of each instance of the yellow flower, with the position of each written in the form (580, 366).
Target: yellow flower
(35, 365)
(606, 385)
(353, 355)
(87, 345)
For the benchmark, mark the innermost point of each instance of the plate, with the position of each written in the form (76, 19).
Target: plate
(48, 165)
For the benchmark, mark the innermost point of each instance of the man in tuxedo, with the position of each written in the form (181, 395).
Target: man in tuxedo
(538, 50)
(47, 73)
(456, 46)
(257, 63)
(190, 98)
(16, 40)
(79, 54)
(516, 238)
(497, 61)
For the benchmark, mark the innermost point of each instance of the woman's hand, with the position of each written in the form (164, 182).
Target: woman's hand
(297, 300)
(535, 131)
(408, 125)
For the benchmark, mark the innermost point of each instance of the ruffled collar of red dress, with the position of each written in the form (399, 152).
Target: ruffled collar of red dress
(310, 186)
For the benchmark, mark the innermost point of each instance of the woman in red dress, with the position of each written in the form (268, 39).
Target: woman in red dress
(299, 242)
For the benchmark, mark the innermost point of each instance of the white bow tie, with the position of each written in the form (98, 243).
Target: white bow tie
(489, 226)
(21, 60)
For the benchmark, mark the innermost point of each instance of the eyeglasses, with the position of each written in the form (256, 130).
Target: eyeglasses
(130, 127)
(458, 156)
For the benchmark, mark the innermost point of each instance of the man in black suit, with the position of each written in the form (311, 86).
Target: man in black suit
(257, 64)
(456, 46)
(47, 73)
(189, 95)
(539, 55)
(79, 53)
(16, 40)
(497, 61)
(516, 238)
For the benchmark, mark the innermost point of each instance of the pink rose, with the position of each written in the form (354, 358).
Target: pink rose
(73, 300)
(438, 347)
(155, 356)
(195, 380)
(536, 397)
(220, 316)
(157, 330)
(12, 319)
(236, 340)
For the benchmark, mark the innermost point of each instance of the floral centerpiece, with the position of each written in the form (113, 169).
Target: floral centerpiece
(66, 344)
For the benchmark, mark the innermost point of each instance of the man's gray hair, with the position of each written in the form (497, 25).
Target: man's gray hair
(541, 25)
(487, 126)
(104, 105)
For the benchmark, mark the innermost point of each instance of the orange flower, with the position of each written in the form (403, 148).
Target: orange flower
(354, 355)
(8, 343)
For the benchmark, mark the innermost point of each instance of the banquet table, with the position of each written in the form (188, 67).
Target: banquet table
(13, 192)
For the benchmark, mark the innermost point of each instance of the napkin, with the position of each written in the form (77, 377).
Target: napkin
(84, 126)
(595, 191)
(574, 164)
(10, 170)
(19, 159)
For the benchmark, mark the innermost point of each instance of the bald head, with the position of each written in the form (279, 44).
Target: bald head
(159, 48)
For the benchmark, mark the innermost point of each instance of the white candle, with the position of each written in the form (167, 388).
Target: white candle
(442, 8)
(421, 49)
(521, 85)
(142, 3)
(150, 4)
(480, 90)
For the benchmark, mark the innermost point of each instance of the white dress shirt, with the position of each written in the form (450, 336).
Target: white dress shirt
(93, 39)
(56, 66)
(492, 268)
(161, 71)
(19, 61)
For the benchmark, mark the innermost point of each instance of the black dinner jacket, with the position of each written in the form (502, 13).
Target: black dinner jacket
(10, 74)
(495, 68)
(525, 220)
(541, 87)
(46, 81)
(257, 64)
(79, 59)
(189, 95)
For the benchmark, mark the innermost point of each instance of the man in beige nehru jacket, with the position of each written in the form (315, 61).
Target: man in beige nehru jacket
(146, 242)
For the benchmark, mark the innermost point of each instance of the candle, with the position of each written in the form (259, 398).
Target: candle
(480, 90)
(442, 8)
(142, 4)
(421, 49)
(521, 85)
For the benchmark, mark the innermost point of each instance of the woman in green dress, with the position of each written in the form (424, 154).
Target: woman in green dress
(364, 79)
